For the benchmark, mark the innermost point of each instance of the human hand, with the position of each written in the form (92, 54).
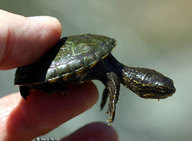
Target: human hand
(22, 41)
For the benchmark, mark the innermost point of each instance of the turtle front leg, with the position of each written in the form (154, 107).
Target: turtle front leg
(104, 98)
(112, 91)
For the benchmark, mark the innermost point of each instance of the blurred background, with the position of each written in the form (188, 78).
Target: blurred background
(154, 34)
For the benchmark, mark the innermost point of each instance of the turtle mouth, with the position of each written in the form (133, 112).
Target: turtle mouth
(162, 95)
(154, 96)
(151, 96)
(158, 93)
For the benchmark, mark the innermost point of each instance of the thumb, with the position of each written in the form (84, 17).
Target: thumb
(23, 40)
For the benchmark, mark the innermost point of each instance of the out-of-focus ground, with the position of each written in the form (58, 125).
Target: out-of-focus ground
(154, 34)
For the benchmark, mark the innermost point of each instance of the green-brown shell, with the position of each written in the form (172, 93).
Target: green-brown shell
(70, 55)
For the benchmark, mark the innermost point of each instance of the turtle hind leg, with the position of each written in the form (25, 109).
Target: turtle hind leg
(25, 91)
(112, 90)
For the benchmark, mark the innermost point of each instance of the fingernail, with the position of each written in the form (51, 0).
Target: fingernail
(44, 18)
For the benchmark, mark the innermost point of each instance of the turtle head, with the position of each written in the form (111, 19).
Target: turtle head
(147, 83)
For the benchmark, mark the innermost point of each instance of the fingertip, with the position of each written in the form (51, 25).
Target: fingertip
(24, 40)
(96, 131)
(51, 24)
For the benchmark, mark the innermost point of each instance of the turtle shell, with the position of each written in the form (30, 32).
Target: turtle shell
(73, 54)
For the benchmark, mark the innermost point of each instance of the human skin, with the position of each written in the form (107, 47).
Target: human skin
(23, 40)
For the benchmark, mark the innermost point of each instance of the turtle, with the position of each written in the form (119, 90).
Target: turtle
(79, 58)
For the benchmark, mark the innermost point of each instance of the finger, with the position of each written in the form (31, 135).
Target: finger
(23, 40)
(95, 131)
(41, 113)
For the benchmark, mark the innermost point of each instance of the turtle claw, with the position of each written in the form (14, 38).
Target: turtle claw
(111, 116)
(25, 91)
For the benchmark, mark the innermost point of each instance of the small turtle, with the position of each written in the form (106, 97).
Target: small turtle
(79, 58)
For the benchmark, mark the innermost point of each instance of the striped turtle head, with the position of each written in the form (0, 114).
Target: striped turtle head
(147, 83)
